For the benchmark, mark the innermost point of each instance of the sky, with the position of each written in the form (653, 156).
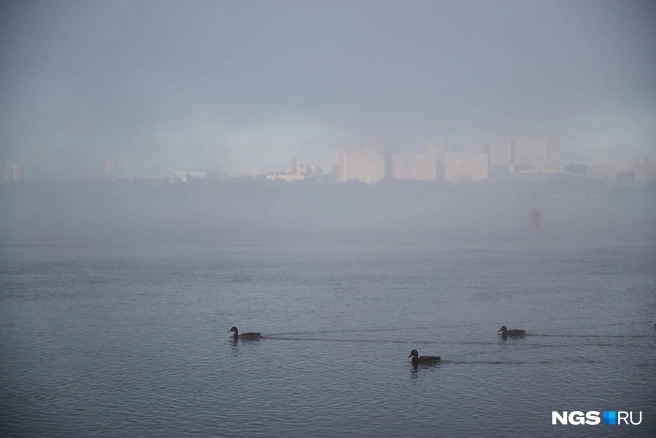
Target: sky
(241, 86)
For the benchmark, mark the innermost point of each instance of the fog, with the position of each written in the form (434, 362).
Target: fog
(208, 210)
(170, 168)
(239, 87)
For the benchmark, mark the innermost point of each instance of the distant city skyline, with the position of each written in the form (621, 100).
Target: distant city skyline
(318, 157)
(372, 163)
(241, 87)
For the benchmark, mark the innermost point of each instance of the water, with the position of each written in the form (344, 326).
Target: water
(131, 339)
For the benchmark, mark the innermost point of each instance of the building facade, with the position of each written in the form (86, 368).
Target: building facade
(111, 170)
(364, 162)
(546, 153)
(643, 168)
(500, 153)
(366, 168)
(17, 172)
(465, 167)
(522, 154)
(294, 166)
(419, 167)
(602, 172)
(537, 154)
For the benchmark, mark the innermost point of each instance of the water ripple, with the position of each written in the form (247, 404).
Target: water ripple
(132, 341)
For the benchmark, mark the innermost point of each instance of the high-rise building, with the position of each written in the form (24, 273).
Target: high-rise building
(420, 167)
(366, 168)
(637, 162)
(501, 153)
(294, 167)
(553, 155)
(546, 154)
(642, 167)
(522, 152)
(313, 171)
(16, 172)
(465, 167)
(436, 147)
(602, 172)
(362, 162)
(111, 170)
(539, 154)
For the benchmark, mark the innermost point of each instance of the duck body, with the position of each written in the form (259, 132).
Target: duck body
(249, 335)
(514, 332)
(416, 359)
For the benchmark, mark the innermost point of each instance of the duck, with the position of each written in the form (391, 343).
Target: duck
(514, 332)
(251, 335)
(416, 359)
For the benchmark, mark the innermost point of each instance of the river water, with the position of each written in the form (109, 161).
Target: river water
(131, 338)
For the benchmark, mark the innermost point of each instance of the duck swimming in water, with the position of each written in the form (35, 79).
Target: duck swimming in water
(515, 332)
(416, 359)
(236, 334)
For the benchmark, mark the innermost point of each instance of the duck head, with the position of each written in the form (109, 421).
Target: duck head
(414, 353)
(503, 329)
(234, 330)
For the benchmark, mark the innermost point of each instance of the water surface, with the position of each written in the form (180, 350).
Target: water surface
(130, 339)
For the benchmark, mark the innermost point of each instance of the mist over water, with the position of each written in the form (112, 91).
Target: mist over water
(171, 211)
(118, 285)
(116, 300)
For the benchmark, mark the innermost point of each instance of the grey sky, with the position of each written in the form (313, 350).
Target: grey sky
(242, 86)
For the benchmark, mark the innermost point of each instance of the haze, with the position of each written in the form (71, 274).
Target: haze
(240, 87)
(353, 179)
